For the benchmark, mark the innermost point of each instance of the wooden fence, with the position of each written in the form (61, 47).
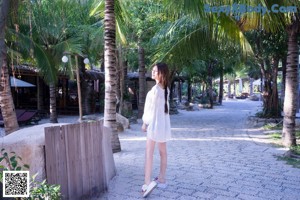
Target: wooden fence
(74, 159)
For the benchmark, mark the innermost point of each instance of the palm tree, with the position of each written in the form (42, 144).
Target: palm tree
(143, 22)
(50, 36)
(114, 14)
(207, 40)
(6, 101)
(291, 84)
(142, 80)
(110, 72)
(290, 22)
(47, 36)
(271, 22)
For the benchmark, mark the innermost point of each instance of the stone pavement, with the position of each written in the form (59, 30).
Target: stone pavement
(213, 155)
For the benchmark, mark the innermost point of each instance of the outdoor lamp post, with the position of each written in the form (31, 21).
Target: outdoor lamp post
(65, 60)
(86, 61)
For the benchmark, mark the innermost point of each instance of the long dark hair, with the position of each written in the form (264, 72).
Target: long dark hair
(163, 79)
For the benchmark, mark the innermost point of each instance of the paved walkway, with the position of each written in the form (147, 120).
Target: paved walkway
(213, 155)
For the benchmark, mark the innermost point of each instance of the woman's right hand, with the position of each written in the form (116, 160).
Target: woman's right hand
(144, 127)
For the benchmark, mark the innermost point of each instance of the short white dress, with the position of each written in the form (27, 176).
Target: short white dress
(159, 126)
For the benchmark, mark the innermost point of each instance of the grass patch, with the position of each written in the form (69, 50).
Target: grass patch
(273, 126)
(296, 149)
(291, 161)
(276, 136)
(297, 134)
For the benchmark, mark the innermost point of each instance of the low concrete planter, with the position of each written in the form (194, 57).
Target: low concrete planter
(29, 144)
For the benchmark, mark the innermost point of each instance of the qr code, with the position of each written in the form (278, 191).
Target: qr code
(15, 183)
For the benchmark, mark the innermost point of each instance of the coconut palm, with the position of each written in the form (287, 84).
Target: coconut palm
(114, 14)
(186, 40)
(46, 36)
(142, 80)
(6, 101)
(110, 71)
(290, 22)
(138, 22)
(271, 22)
(291, 84)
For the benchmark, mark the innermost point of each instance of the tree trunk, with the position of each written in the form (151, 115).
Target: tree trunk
(221, 88)
(6, 100)
(234, 89)
(4, 9)
(275, 106)
(173, 106)
(53, 109)
(40, 94)
(142, 81)
(189, 90)
(251, 86)
(120, 80)
(283, 80)
(171, 83)
(78, 88)
(291, 86)
(85, 89)
(229, 89)
(110, 120)
(179, 91)
(271, 107)
(210, 85)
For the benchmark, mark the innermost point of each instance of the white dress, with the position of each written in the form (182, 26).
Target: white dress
(159, 126)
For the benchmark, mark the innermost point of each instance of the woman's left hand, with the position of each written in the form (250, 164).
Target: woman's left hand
(144, 127)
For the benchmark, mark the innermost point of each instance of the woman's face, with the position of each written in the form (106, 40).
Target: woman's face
(154, 73)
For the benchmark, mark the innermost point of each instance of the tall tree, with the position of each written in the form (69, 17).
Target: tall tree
(112, 12)
(269, 48)
(6, 101)
(50, 40)
(48, 35)
(142, 80)
(291, 83)
(110, 72)
(270, 22)
(143, 23)
(273, 22)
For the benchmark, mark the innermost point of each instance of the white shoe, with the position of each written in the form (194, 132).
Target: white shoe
(159, 184)
(147, 189)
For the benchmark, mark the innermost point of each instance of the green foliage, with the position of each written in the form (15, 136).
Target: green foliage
(145, 18)
(259, 114)
(296, 149)
(276, 136)
(273, 126)
(298, 134)
(291, 161)
(266, 113)
(12, 161)
(127, 113)
(38, 190)
(49, 29)
(43, 190)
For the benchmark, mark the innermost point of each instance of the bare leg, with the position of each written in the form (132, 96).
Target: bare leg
(163, 161)
(149, 160)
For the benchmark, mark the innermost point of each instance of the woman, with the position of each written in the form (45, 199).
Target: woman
(156, 122)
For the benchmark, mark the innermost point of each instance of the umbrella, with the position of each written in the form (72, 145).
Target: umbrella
(14, 82)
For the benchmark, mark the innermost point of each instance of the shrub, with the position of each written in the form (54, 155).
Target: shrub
(38, 190)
